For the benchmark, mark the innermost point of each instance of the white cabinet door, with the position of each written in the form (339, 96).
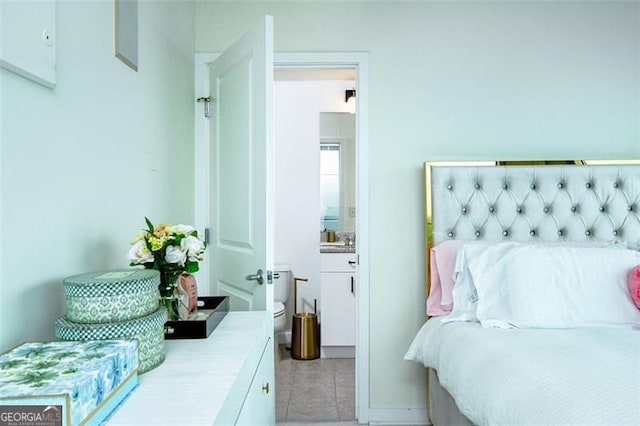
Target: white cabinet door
(259, 407)
(338, 315)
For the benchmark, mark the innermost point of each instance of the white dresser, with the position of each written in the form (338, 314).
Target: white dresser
(224, 380)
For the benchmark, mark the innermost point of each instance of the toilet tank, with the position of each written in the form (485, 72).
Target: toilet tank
(281, 284)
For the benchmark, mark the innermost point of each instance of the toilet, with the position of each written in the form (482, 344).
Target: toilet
(280, 297)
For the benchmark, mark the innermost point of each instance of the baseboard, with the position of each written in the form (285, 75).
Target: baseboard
(398, 416)
(337, 351)
(284, 338)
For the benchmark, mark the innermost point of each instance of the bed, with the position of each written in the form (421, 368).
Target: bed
(534, 338)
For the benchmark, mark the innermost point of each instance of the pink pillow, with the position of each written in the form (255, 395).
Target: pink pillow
(633, 280)
(442, 263)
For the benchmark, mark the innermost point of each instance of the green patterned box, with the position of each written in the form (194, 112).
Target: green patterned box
(68, 383)
(111, 296)
(148, 331)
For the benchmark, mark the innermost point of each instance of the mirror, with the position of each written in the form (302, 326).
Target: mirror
(337, 172)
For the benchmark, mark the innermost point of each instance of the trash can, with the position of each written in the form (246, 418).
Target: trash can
(304, 337)
(305, 334)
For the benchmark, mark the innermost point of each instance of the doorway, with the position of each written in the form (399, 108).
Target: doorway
(314, 156)
(311, 191)
(354, 60)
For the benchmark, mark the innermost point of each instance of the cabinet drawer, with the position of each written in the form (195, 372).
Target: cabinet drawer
(337, 262)
(259, 406)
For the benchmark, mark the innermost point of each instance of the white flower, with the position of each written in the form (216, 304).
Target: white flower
(138, 253)
(138, 237)
(193, 247)
(180, 229)
(175, 255)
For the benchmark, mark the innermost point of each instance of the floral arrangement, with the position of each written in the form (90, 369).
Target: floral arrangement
(169, 249)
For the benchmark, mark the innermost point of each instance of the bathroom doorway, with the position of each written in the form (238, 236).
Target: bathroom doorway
(315, 186)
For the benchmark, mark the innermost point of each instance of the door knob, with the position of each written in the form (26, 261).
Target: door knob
(256, 277)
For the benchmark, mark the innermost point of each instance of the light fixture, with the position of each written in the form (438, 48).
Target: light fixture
(350, 99)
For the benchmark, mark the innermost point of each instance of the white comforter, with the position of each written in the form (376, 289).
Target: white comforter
(535, 376)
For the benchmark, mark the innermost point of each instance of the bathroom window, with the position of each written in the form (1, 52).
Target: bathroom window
(330, 186)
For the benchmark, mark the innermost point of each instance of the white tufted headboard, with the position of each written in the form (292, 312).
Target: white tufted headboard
(532, 202)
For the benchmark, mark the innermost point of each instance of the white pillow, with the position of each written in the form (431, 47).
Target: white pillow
(553, 287)
(464, 295)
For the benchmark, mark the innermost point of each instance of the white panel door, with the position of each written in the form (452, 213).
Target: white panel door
(241, 169)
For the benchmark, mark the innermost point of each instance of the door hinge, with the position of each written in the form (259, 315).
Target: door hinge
(207, 101)
(206, 236)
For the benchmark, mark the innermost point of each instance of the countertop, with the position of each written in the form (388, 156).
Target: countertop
(337, 249)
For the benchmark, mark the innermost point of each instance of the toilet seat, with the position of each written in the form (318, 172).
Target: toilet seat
(278, 309)
(279, 317)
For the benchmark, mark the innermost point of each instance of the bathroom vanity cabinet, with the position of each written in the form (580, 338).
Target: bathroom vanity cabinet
(226, 379)
(338, 304)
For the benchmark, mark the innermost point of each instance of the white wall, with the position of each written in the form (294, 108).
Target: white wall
(298, 105)
(84, 163)
(456, 80)
(1, 203)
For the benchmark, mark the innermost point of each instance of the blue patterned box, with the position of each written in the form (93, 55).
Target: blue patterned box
(87, 380)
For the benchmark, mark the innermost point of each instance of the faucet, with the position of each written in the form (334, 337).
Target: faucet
(349, 239)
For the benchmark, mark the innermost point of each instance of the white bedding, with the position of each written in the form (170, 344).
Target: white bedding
(535, 376)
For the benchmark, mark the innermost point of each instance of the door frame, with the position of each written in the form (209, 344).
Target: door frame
(309, 60)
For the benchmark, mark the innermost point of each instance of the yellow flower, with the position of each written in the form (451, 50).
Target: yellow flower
(156, 243)
(161, 230)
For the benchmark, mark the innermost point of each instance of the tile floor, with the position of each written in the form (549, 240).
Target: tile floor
(319, 390)
(347, 423)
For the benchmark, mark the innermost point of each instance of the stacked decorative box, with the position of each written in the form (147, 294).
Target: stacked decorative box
(65, 383)
(121, 304)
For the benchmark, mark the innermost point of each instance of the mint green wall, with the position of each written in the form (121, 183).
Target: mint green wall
(84, 163)
(456, 80)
